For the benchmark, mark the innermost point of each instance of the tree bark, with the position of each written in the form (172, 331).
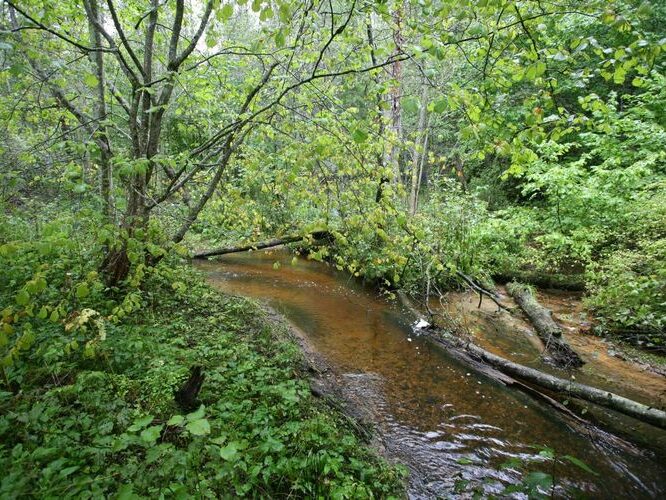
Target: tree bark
(317, 235)
(101, 134)
(419, 150)
(549, 332)
(600, 397)
(395, 94)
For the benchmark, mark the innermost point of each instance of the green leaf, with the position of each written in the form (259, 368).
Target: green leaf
(68, 470)
(82, 290)
(440, 105)
(196, 415)
(90, 80)
(579, 463)
(176, 420)
(535, 70)
(22, 298)
(140, 423)
(619, 75)
(199, 427)
(230, 451)
(43, 313)
(151, 434)
(359, 136)
(126, 492)
(283, 13)
(410, 105)
(280, 39)
(226, 12)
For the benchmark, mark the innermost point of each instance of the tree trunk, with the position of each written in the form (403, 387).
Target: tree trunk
(549, 332)
(383, 179)
(101, 134)
(600, 397)
(419, 151)
(395, 94)
(460, 173)
(318, 235)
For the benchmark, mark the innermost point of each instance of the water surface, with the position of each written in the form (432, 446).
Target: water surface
(445, 422)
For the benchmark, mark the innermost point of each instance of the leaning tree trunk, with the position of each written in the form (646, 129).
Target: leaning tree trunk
(550, 333)
(317, 235)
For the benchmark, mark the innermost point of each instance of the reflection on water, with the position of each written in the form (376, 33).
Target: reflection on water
(444, 421)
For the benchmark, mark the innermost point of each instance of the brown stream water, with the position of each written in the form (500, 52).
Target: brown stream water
(445, 422)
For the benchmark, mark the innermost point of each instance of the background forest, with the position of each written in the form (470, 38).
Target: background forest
(434, 140)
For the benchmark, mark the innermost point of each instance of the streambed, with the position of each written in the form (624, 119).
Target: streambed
(450, 426)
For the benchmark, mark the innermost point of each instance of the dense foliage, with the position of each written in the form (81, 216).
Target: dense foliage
(437, 141)
(89, 408)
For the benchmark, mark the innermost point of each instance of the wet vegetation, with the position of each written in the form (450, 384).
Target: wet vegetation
(422, 147)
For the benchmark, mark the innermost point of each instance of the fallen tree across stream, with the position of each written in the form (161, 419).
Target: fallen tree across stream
(600, 397)
(275, 242)
(550, 333)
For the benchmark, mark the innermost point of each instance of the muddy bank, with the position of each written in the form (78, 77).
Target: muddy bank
(511, 336)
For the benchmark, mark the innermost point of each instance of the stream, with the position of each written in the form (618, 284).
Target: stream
(451, 427)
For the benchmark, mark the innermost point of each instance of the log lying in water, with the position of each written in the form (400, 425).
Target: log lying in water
(561, 354)
(317, 235)
(600, 397)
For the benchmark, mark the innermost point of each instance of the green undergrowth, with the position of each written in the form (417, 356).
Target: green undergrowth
(107, 424)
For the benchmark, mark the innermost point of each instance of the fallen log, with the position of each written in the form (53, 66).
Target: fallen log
(550, 333)
(570, 282)
(599, 397)
(317, 235)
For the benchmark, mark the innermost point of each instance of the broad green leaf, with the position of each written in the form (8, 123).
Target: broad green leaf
(440, 105)
(176, 420)
(230, 451)
(196, 415)
(82, 290)
(226, 12)
(90, 80)
(280, 39)
(140, 423)
(22, 298)
(283, 12)
(199, 427)
(359, 136)
(150, 434)
(410, 105)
